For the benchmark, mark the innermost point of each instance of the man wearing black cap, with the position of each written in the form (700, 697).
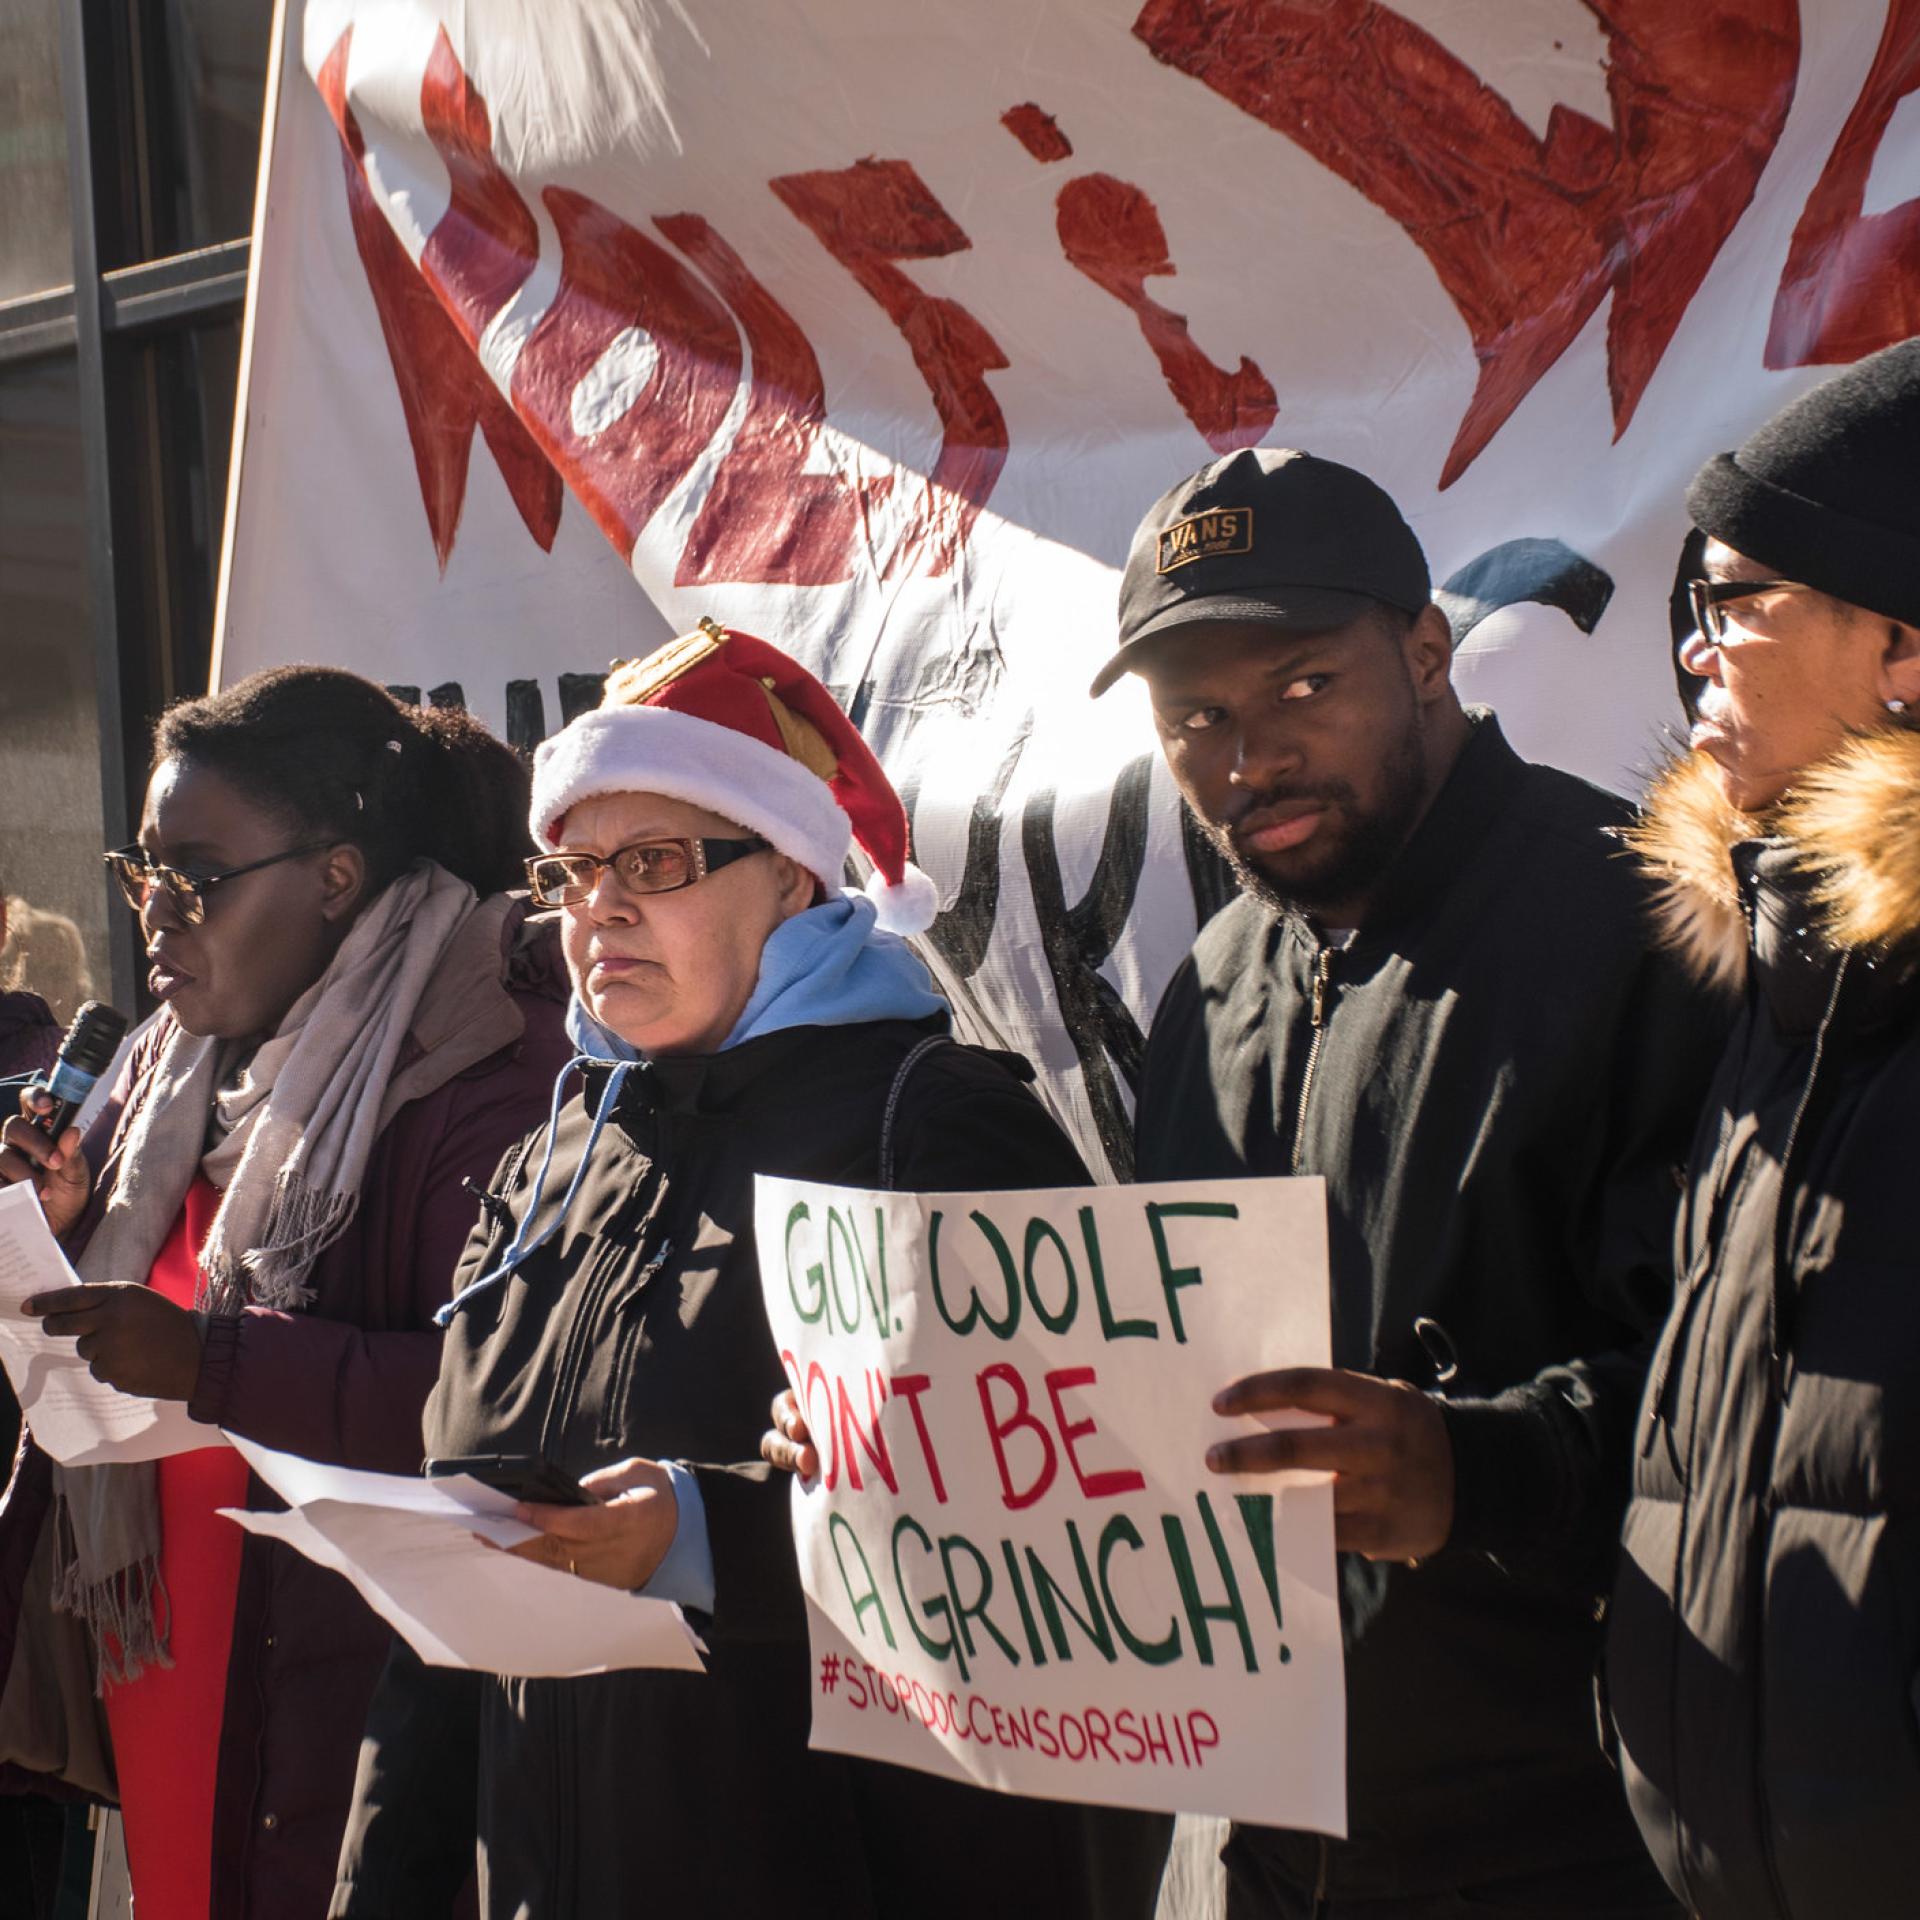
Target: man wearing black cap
(1436, 991)
(1764, 1652)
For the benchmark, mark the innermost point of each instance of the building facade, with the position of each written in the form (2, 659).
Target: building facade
(129, 151)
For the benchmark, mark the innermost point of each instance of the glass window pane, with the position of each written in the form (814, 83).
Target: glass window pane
(177, 435)
(36, 228)
(205, 67)
(50, 832)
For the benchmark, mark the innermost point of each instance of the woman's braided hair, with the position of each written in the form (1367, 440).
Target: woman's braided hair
(340, 759)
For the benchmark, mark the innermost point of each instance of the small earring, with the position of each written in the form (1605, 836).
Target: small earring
(1896, 706)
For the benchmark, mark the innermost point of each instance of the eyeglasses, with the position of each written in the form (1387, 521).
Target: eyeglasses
(648, 866)
(1708, 597)
(186, 893)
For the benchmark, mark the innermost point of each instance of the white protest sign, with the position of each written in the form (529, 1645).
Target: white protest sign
(1019, 1570)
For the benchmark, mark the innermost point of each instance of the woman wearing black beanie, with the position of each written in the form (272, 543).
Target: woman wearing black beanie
(1764, 1652)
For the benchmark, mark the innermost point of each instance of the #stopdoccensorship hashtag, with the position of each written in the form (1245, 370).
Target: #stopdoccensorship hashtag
(1126, 1737)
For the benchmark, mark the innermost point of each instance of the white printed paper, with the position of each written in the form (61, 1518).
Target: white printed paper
(409, 1547)
(78, 1420)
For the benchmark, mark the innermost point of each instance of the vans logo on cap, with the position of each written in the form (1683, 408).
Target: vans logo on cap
(1227, 530)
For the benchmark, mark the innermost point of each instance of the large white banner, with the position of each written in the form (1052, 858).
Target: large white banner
(1019, 1571)
(873, 329)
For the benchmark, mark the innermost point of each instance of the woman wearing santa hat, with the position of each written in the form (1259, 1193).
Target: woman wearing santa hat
(735, 1012)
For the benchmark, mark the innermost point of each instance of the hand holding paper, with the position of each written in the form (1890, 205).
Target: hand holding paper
(135, 1340)
(620, 1539)
(418, 1553)
(79, 1420)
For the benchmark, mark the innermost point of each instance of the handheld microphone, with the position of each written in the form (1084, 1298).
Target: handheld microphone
(85, 1054)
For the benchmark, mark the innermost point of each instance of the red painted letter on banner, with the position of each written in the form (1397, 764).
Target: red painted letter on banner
(767, 519)
(1852, 280)
(868, 216)
(629, 373)
(1111, 231)
(1527, 235)
(485, 245)
(444, 391)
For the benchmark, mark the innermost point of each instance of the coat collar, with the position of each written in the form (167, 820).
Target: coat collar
(1836, 864)
(1478, 790)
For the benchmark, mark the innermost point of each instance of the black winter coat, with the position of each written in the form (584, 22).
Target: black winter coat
(1764, 1658)
(1498, 1078)
(638, 1330)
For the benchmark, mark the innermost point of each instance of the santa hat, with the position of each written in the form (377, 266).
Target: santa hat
(729, 723)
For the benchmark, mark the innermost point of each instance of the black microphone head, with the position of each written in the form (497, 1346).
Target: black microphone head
(94, 1038)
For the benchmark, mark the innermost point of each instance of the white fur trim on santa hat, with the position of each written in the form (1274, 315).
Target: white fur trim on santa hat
(907, 908)
(656, 750)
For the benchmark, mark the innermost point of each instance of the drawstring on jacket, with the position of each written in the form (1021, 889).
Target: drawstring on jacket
(519, 1247)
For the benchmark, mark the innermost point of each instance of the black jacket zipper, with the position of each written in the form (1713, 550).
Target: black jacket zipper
(1317, 1012)
(609, 1262)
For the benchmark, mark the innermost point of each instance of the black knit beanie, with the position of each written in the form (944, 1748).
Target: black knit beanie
(1828, 491)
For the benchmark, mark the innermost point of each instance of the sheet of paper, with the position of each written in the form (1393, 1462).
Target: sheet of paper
(477, 1507)
(75, 1418)
(408, 1546)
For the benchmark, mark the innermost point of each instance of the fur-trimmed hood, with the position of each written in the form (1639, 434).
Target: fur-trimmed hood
(1853, 823)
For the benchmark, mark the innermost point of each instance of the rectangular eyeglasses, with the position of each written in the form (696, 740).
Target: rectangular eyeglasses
(1708, 598)
(648, 866)
(185, 893)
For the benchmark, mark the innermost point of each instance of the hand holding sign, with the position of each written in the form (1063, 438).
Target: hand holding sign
(1387, 1450)
(788, 1444)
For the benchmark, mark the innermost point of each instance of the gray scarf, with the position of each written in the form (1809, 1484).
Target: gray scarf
(295, 1132)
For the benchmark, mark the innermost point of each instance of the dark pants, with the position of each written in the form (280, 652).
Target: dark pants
(33, 1833)
(1258, 1889)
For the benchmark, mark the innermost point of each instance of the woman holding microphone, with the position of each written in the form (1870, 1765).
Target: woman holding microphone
(356, 1020)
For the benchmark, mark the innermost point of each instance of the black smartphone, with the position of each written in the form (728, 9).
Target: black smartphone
(527, 1476)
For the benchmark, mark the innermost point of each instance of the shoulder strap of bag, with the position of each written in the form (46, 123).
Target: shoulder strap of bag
(901, 1075)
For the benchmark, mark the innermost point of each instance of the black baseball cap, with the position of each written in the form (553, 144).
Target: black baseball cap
(1266, 534)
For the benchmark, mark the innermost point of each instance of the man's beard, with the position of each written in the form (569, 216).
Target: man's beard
(1370, 842)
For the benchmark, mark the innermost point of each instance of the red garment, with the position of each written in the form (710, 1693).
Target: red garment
(166, 1723)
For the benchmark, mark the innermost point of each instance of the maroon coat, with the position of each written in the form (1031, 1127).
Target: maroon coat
(343, 1382)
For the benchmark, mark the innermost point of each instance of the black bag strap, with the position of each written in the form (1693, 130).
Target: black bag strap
(901, 1075)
